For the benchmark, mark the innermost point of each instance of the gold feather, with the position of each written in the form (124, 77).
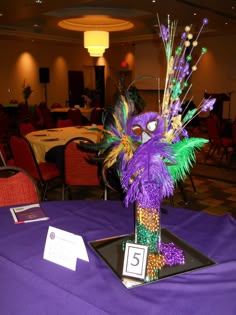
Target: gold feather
(119, 127)
(112, 156)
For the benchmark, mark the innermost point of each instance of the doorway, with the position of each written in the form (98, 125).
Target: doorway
(75, 87)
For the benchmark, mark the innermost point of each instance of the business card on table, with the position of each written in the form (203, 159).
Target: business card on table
(63, 248)
(28, 213)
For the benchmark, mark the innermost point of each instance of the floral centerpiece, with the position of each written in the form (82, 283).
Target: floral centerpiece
(27, 91)
(151, 152)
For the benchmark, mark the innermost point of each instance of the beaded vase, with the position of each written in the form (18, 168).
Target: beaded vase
(148, 232)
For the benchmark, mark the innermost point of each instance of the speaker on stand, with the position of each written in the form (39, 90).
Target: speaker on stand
(44, 77)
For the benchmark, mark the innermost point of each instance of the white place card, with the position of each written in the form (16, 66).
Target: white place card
(135, 260)
(63, 248)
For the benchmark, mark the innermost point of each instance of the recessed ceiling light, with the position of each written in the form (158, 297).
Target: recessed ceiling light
(1, 14)
(194, 13)
(233, 8)
(38, 1)
(226, 23)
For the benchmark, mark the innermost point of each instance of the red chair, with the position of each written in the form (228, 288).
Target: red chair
(17, 187)
(61, 123)
(217, 142)
(56, 105)
(47, 117)
(233, 148)
(38, 118)
(4, 127)
(3, 156)
(75, 115)
(44, 173)
(214, 137)
(97, 116)
(25, 128)
(24, 114)
(78, 171)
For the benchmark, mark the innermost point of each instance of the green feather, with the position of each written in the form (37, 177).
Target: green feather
(124, 111)
(184, 155)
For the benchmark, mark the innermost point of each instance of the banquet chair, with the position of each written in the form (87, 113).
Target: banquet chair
(233, 151)
(45, 173)
(3, 156)
(25, 128)
(47, 117)
(78, 171)
(38, 118)
(4, 127)
(75, 115)
(56, 105)
(24, 113)
(97, 116)
(61, 123)
(17, 187)
(214, 137)
(219, 143)
(227, 146)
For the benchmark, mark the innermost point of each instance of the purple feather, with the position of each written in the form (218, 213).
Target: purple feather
(147, 170)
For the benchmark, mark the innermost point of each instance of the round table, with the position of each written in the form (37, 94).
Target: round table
(43, 140)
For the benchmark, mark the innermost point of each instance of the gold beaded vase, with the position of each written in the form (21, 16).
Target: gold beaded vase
(148, 232)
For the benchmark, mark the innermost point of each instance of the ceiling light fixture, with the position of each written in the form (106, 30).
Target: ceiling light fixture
(96, 29)
(96, 42)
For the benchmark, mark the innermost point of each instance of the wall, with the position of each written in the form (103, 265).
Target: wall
(150, 65)
(114, 70)
(216, 71)
(20, 60)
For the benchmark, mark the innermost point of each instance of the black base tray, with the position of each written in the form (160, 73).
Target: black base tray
(110, 250)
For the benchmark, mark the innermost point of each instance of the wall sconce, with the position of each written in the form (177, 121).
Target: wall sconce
(96, 42)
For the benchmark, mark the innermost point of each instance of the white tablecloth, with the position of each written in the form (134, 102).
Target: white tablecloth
(43, 140)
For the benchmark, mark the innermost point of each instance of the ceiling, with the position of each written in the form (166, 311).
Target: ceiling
(38, 20)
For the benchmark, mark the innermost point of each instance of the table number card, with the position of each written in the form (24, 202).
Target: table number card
(63, 248)
(135, 260)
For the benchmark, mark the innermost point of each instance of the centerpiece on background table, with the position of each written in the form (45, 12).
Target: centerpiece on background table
(27, 91)
(151, 152)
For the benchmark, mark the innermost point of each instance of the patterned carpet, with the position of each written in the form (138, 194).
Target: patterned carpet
(212, 196)
(215, 184)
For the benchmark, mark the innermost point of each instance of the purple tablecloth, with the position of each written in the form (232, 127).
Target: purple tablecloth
(30, 285)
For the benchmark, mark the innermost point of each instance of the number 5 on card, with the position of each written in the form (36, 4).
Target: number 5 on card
(135, 260)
